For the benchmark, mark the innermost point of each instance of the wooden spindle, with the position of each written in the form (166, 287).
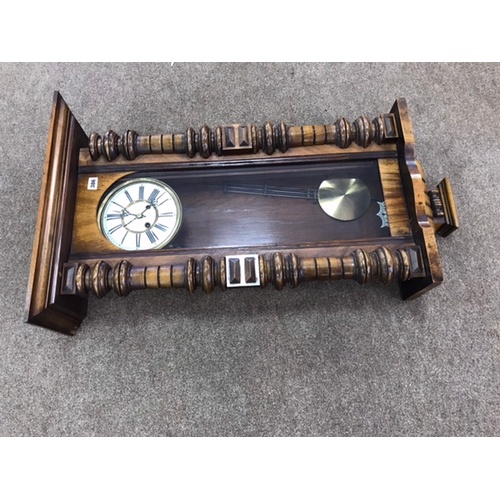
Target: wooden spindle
(244, 139)
(279, 269)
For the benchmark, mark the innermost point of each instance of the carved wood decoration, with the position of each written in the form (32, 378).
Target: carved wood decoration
(254, 206)
(278, 269)
(244, 138)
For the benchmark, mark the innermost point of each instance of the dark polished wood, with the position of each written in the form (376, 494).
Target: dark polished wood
(251, 215)
(45, 304)
(244, 138)
(279, 269)
(443, 208)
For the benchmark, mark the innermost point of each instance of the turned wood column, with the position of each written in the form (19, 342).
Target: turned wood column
(244, 138)
(277, 269)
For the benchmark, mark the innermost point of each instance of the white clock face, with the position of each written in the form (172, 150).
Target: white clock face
(140, 214)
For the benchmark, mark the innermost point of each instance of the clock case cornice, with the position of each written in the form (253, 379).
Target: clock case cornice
(60, 278)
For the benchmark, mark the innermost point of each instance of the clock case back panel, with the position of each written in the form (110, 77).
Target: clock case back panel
(215, 218)
(217, 223)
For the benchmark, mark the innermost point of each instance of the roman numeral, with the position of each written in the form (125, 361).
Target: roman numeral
(127, 194)
(159, 204)
(161, 227)
(112, 230)
(113, 216)
(141, 192)
(152, 236)
(124, 236)
(166, 214)
(158, 199)
(153, 195)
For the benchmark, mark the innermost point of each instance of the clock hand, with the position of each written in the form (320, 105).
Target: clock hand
(124, 210)
(136, 216)
(125, 225)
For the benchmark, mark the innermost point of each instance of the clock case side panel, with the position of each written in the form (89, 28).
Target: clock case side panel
(418, 204)
(45, 305)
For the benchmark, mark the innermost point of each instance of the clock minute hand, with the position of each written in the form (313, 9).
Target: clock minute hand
(135, 216)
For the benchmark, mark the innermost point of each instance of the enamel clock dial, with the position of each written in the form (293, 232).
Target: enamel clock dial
(140, 214)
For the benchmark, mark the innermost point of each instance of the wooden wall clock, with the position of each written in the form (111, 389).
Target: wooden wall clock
(229, 207)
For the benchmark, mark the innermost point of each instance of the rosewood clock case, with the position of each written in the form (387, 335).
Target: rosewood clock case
(252, 211)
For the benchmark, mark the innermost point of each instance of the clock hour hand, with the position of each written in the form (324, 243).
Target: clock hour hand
(138, 216)
(135, 216)
(124, 210)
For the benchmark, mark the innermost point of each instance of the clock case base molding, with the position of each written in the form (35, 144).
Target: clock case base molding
(71, 258)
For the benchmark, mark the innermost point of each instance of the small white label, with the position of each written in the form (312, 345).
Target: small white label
(93, 183)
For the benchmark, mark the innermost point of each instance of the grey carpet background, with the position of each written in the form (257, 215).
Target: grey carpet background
(323, 359)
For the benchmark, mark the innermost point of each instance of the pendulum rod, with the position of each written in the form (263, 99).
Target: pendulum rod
(276, 191)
